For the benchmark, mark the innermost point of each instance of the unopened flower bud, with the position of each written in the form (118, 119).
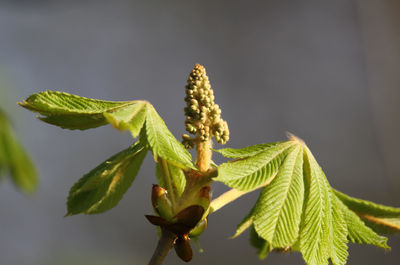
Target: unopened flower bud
(187, 141)
(202, 110)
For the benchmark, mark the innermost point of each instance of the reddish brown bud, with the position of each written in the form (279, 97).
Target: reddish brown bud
(156, 193)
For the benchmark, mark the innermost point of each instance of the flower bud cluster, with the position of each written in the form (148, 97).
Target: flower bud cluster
(203, 116)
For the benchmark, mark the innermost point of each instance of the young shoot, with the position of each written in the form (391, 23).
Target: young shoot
(297, 209)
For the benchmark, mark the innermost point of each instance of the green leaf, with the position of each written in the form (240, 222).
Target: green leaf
(256, 170)
(315, 240)
(299, 210)
(130, 117)
(103, 187)
(14, 158)
(358, 232)
(381, 218)
(74, 112)
(246, 151)
(338, 250)
(279, 207)
(262, 246)
(163, 144)
(367, 207)
(245, 223)
(176, 175)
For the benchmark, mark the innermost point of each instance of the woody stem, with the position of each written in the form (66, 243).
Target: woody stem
(165, 243)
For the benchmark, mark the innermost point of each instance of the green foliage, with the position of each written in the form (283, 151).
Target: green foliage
(75, 112)
(262, 245)
(254, 167)
(382, 219)
(317, 236)
(103, 187)
(14, 159)
(287, 189)
(358, 231)
(163, 143)
(246, 151)
(297, 209)
(178, 180)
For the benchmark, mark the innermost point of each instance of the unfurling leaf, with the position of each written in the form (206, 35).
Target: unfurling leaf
(103, 187)
(321, 235)
(162, 143)
(262, 245)
(256, 166)
(297, 209)
(14, 159)
(246, 151)
(176, 174)
(358, 232)
(280, 201)
(382, 219)
(74, 112)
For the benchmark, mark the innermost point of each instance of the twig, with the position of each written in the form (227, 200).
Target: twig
(164, 245)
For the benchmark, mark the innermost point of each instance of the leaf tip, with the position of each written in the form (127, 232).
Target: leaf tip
(25, 104)
(235, 235)
(68, 214)
(294, 138)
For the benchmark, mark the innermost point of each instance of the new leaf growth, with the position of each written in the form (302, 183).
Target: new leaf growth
(297, 209)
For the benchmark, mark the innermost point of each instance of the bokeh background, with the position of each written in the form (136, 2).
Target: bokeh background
(327, 71)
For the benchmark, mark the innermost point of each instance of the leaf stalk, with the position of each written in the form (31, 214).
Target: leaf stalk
(226, 198)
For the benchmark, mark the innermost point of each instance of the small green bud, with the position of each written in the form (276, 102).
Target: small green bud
(194, 102)
(187, 141)
(190, 128)
(199, 228)
(161, 203)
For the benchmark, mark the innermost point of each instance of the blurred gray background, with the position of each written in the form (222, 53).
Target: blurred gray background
(327, 71)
